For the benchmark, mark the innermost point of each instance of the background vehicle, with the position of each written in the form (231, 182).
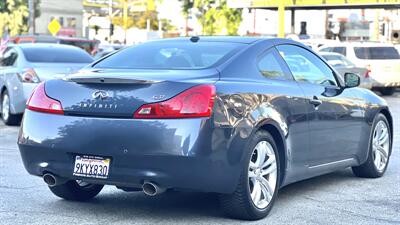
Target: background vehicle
(381, 60)
(104, 50)
(23, 66)
(90, 46)
(238, 116)
(344, 65)
(315, 44)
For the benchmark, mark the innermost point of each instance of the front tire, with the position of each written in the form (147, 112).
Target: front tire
(379, 150)
(6, 115)
(76, 190)
(258, 185)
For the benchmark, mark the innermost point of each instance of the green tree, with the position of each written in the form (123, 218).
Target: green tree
(216, 18)
(13, 16)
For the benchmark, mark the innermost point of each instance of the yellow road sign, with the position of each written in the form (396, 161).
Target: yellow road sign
(54, 26)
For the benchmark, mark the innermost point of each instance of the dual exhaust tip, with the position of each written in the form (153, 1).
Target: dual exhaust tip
(149, 188)
(52, 180)
(152, 189)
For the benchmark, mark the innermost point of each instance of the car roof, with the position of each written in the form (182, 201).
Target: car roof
(45, 45)
(356, 44)
(330, 53)
(231, 39)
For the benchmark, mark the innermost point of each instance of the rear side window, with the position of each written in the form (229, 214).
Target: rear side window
(56, 55)
(376, 53)
(170, 55)
(270, 67)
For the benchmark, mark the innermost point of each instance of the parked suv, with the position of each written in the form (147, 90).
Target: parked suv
(381, 60)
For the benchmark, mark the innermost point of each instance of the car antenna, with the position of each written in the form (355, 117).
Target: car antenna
(194, 39)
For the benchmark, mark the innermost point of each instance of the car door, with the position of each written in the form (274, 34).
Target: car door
(287, 98)
(333, 115)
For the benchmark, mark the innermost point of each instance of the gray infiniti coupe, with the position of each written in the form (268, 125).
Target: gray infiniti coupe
(238, 116)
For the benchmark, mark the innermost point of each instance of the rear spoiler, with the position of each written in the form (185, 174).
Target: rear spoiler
(108, 80)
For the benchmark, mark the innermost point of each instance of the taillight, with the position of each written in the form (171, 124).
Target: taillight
(366, 75)
(29, 76)
(40, 102)
(197, 101)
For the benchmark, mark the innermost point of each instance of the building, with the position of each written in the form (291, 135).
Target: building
(68, 13)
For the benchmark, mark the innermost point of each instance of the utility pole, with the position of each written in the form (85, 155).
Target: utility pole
(110, 11)
(125, 18)
(281, 15)
(254, 21)
(31, 16)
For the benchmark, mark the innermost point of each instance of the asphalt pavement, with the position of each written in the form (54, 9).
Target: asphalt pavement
(337, 198)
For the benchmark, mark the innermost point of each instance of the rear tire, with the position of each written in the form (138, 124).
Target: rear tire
(387, 91)
(241, 204)
(75, 191)
(373, 167)
(6, 115)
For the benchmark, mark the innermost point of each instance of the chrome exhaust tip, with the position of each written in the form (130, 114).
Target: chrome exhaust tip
(52, 180)
(152, 189)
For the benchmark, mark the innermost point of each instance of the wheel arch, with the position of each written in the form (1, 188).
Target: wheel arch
(389, 118)
(2, 90)
(279, 138)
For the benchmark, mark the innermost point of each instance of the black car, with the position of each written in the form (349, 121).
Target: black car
(237, 116)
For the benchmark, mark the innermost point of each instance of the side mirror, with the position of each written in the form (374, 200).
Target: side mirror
(351, 80)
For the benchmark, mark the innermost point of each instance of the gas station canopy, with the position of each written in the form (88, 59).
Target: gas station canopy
(314, 4)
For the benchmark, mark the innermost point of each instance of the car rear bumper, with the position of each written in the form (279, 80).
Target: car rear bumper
(173, 153)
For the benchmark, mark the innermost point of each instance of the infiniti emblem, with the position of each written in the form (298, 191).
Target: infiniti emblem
(100, 94)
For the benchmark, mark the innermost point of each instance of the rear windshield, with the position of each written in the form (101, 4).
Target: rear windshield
(88, 46)
(376, 53)
(56, 55)
(170, 55)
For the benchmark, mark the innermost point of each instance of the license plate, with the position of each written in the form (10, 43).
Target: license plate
(91, 166)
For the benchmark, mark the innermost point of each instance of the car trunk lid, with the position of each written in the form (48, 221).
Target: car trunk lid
(119, 93)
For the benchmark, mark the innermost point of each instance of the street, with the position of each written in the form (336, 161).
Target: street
(337, 198)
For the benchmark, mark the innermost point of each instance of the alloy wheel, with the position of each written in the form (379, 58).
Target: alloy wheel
(380, 145)
(262, 174)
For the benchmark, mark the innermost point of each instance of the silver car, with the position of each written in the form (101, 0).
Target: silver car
(381, 60)
(23, 66)
(344, 65)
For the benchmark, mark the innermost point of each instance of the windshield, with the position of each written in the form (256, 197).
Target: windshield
(170, 55)
(56, 55)
(376, 53)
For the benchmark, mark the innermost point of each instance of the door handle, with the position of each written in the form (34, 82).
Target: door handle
(315, 101)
